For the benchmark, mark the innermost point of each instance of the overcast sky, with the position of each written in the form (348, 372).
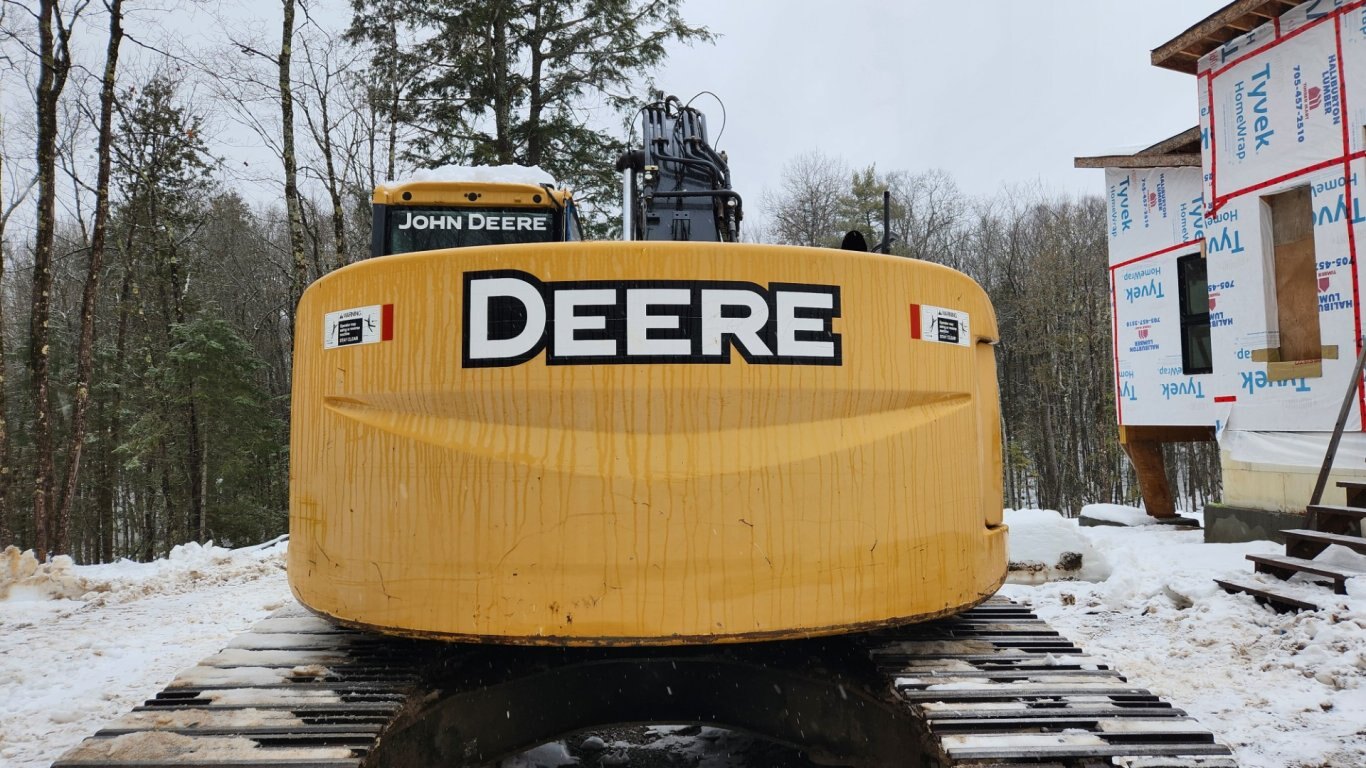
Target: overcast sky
(993, 91)
(996, 92)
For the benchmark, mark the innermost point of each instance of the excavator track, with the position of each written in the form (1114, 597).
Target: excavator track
(994, 686)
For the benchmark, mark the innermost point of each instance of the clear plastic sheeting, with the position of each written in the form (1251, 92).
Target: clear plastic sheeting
(1292, 449)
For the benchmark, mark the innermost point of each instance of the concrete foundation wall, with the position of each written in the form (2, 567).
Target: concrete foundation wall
(1226, 524)
(1280, 488)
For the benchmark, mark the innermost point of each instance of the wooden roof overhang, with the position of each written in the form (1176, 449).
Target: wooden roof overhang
(1183, 149)
(1182, 52)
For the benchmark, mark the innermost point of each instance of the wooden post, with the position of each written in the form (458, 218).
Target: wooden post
(1144, 446)
(1146, 456)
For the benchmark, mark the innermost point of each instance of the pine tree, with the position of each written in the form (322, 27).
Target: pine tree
(507, 82)
(163, 174)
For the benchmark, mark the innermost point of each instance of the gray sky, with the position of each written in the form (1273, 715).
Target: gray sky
(996, 92)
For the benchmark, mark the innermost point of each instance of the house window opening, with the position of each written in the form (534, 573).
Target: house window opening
(1295, 263)
(1194, 295)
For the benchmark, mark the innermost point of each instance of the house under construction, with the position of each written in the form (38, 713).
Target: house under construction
(1233, 260)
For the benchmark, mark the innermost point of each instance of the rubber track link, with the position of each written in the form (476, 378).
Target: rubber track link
(994, 686)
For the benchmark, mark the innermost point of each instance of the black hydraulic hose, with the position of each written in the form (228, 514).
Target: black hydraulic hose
(722, 193)
(713, 170)
(715, 158)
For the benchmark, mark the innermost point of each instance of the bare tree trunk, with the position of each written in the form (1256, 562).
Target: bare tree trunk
(204, 486)
(502, 100)
(195, 522)
(149, 518)
(312, 236)
(393, 100)
(198, 516)
(6, 528)
(535, 142)
(8, 518)
(292, 205)
(104, 486)
(323, 137)
(85, 354)
(338, 214)
(55, 63)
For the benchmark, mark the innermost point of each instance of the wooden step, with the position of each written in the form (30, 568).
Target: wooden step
(1285, 567)
(1334, 518)
(1308, 544)
(1356, 491)
(1356, 513)
(1267, 595)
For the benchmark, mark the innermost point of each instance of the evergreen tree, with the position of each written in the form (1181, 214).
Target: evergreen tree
(163, 175)
(860, 207)
(497, 82)
(211, 368)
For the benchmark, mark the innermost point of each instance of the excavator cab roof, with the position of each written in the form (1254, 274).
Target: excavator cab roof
(431, 214)
(466, 193)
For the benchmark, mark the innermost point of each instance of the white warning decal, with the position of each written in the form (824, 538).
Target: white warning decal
(362, 325)
(937, 324)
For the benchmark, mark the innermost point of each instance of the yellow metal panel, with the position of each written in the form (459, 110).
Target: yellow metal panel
(654, 503)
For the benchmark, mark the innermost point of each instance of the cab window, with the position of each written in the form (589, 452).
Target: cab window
(572, 230)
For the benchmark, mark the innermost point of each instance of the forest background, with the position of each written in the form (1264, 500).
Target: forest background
(147, 292)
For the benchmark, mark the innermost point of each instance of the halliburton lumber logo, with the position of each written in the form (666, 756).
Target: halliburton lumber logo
(510, 317)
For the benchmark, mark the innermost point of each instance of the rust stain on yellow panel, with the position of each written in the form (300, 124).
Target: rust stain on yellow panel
(661, 502)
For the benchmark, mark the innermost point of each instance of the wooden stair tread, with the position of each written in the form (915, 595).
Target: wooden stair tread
(1338, 509)
(1330, 570)
(1279, 600)
(1355, 485)
(1356, 543)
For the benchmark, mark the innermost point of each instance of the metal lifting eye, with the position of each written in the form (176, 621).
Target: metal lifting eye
(407, 195)
(471, 196)
(535, 198)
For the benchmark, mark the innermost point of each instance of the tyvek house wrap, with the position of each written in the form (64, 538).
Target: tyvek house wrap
(1155, 217)
(1273, 105)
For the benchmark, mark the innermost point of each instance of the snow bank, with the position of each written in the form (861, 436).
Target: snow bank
(1119, 514)
(188, 567)
(1043, 546)
(81, 645)
(489, 174)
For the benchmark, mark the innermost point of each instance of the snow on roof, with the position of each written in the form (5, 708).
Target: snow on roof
(486, 174)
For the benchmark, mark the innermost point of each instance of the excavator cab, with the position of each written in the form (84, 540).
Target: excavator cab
(429, 215)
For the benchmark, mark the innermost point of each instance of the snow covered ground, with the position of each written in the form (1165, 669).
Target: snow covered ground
(1284, 691)
(81, 645)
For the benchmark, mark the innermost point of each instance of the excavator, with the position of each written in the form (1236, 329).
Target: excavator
(541, 485)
